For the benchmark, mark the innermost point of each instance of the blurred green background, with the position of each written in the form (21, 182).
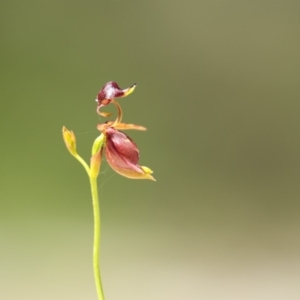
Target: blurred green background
(218, 90)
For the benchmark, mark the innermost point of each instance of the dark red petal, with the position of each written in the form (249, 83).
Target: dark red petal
(121, 145)
(110, 91)
(122, 155)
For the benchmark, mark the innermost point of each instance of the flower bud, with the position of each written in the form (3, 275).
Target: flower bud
(122, 155)
(70, 140)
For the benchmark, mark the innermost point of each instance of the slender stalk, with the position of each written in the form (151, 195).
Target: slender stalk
(84, 164)
(97, 230)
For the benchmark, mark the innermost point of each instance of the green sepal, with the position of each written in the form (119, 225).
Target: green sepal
(98, 144)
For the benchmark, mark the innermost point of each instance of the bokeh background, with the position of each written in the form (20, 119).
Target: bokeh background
(218, 90)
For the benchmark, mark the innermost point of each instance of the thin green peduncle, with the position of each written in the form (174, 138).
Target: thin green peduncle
(97, 235)
(83, 163)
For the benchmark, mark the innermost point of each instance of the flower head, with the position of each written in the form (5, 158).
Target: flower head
(121, 152)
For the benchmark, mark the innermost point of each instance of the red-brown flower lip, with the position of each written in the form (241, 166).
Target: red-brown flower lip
(110, 91)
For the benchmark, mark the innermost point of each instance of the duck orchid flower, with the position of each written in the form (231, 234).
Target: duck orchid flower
(121, 152)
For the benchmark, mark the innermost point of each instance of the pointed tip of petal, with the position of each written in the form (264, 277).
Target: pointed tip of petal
(105, 114)
(148, 173)
(125, 126)
(129, 90)
(151, 178)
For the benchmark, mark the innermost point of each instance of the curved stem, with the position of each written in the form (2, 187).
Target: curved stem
(120, 113)
(96, 248)
(84, 164)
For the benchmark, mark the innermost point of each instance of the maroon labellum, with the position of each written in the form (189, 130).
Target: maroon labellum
(110, 91)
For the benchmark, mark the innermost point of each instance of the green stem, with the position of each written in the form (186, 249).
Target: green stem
(96, 248)
(84, 164)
